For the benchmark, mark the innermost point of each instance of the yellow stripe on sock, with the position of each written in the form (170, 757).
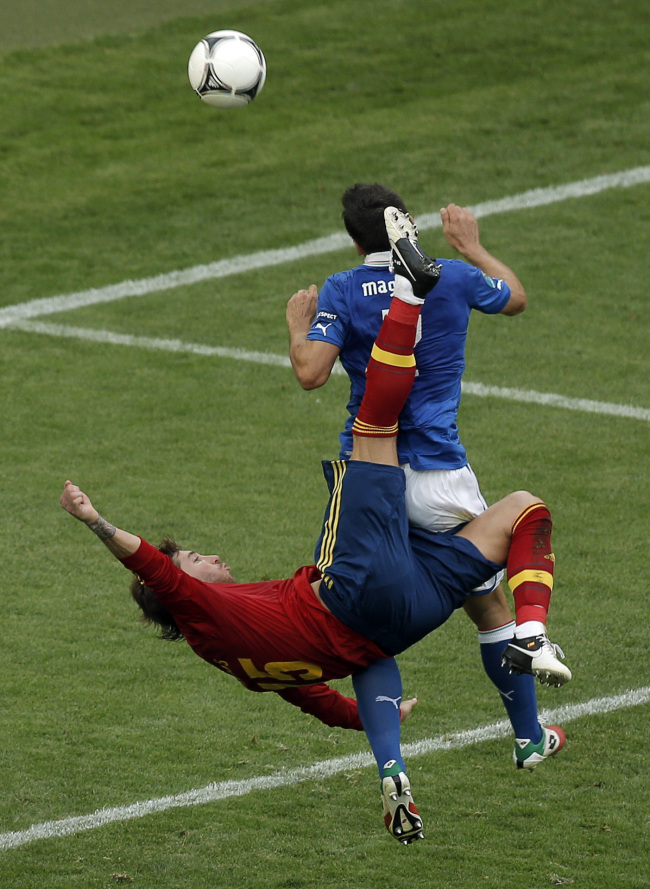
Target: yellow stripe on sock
(525, 512)
(391, 358)
(361, 428)
(531, 575)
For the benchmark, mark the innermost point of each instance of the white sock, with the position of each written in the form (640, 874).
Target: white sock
(404, 291)
(498, 634)
(530, 628)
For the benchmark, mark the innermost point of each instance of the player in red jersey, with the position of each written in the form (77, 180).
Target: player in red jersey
(376, 588)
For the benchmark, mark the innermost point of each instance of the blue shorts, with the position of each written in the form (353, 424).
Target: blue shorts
(391, 583)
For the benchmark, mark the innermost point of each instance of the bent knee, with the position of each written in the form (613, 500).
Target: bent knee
(521, 500)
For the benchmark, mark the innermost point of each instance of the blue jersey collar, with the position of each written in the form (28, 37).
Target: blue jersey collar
(378, 260)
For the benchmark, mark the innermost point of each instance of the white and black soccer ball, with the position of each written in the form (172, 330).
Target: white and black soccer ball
(227, 69)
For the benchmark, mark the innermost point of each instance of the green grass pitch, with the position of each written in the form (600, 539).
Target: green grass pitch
(111, 171)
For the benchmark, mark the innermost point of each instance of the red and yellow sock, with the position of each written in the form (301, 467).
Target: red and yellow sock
(390, 372)
(531, 564)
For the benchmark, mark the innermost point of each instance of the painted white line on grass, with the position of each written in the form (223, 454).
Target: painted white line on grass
(536, 197)
(541, 197)
(552, 400)
(143, 286)
(325, 769)
(145, 342)
(173, 345)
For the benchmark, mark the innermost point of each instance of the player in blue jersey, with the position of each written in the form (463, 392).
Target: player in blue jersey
(351, 305)
(442, 490)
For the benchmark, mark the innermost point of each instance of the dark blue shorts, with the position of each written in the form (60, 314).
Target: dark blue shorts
(391, 583)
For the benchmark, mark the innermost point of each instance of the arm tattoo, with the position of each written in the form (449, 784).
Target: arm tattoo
(103, 529)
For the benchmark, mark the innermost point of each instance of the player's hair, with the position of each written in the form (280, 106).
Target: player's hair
(363, 214)
(152, 611)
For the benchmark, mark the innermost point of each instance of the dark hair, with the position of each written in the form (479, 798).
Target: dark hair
(363, 214)
(152, 611)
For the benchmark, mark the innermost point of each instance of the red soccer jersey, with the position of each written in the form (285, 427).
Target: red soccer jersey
(273, 635)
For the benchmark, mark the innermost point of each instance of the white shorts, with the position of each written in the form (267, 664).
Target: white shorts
(441, 499)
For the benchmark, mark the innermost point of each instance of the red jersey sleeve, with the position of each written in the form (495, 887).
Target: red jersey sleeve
(326, 704)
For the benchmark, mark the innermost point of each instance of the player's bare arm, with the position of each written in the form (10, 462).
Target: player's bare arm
(103, 529)
(120, 543)
(460, 228)
(312, 360)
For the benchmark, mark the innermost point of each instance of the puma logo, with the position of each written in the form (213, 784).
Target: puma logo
(394, 701)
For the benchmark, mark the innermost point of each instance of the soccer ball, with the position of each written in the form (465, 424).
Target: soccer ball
(227, 69)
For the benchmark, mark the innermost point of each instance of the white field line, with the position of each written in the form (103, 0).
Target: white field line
(549, 399)
(536, 197)
(228, 789)
(172, 345)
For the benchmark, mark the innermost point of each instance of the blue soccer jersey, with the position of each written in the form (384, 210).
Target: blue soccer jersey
(351, 308)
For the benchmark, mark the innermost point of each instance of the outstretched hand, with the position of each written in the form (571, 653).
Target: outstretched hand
(460, 228)
(121, 543)
(406, 708)
(78, 504)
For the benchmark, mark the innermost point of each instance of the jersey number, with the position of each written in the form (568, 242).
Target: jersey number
(281, 674)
